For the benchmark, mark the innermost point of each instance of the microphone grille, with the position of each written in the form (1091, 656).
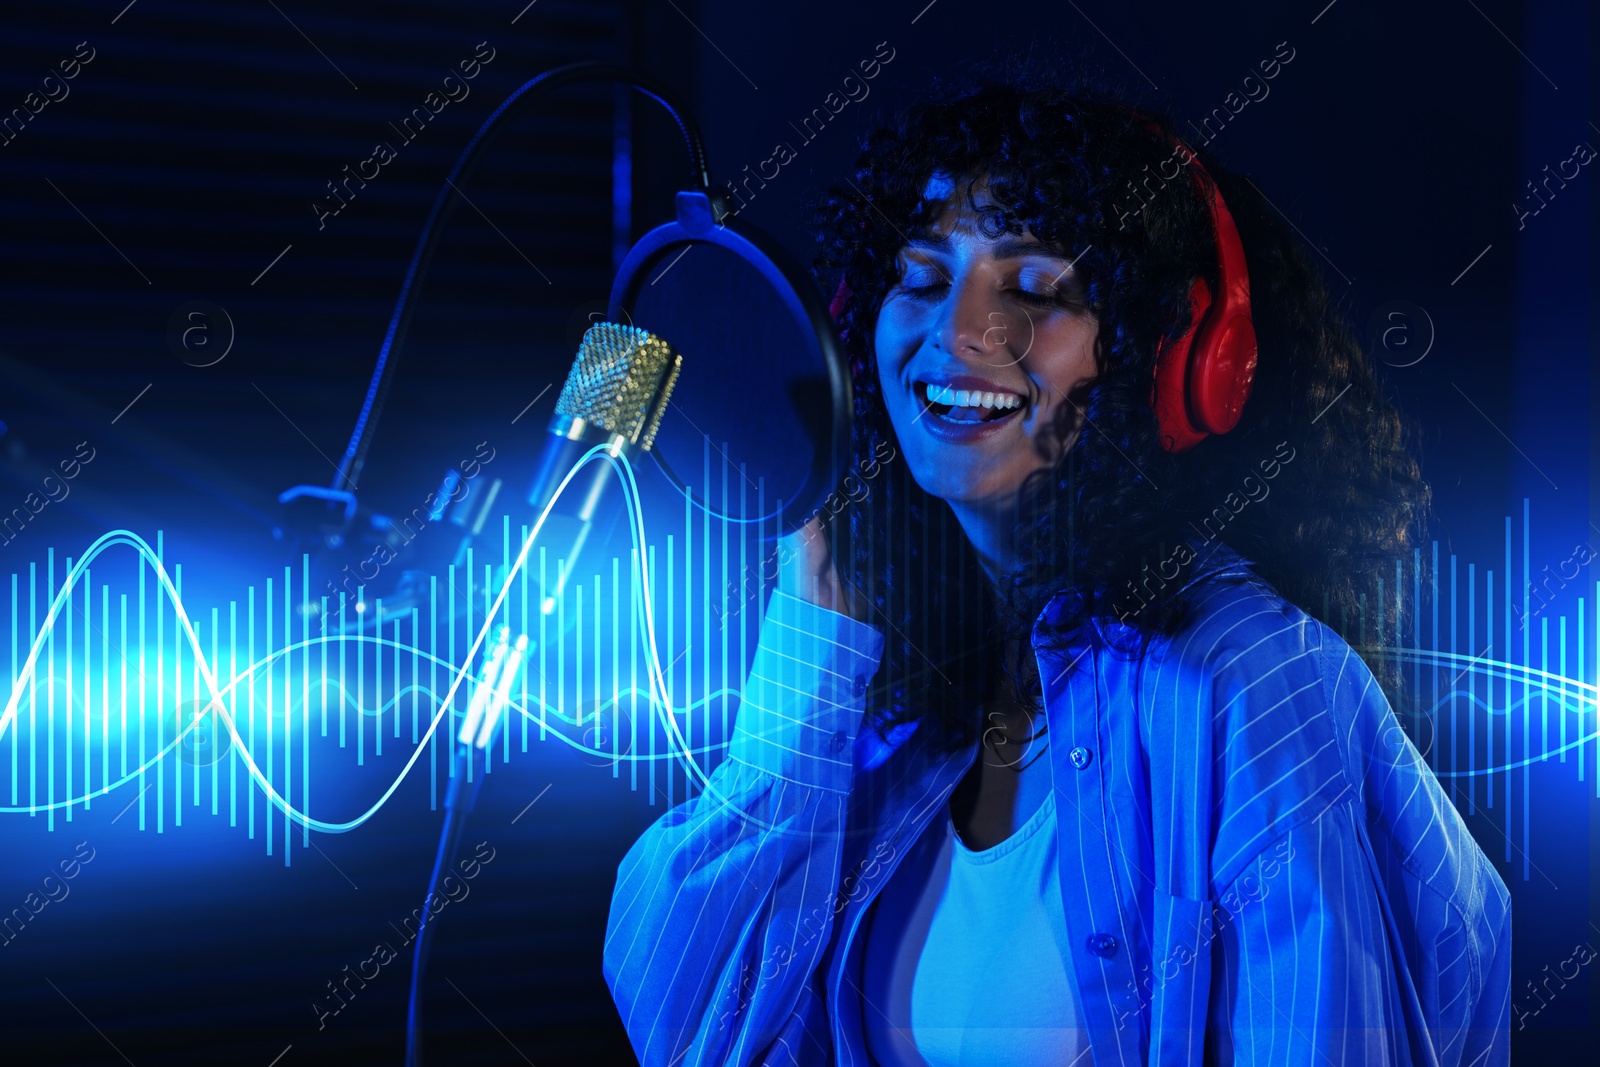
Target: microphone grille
(621, 381)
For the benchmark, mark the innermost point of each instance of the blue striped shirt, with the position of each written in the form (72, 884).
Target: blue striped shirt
(1256, 865)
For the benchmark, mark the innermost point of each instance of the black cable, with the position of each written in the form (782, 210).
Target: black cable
(457, 805)
(449, 197)
(456, 810)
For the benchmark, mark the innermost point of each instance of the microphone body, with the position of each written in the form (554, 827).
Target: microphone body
(615, 395)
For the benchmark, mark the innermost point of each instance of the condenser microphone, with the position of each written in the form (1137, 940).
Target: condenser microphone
(614, 396)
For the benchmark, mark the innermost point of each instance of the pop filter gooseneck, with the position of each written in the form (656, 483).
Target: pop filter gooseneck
(449, 198)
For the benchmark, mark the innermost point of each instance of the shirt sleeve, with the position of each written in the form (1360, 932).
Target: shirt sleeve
(1305, 973)
(723, 907)
(1309, 972)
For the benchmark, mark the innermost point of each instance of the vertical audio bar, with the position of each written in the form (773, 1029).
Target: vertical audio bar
(66, 597)
(650, 554)
(522, 682)
(544, 647)
(161, 674)
(636, 594)
(361, 676)
(178, 615)
(394, 667)
(142, 689)
(288, 706)
(1472, 690)
(50, 699)
(122, 701)
(305, 701)
(416, 681)
(1527, 695)
(577, 661)
(1561, 708)
(1433, 671)
(212, 707)
(266, 807)
(722, 591)
(671, 695)
(340, 687)
(88, 691)
(250, 711)
(233, 705)
(377, 676)
(616, 669)
(1582, 674)
(16, 682)
(433, 689)
(322, 654)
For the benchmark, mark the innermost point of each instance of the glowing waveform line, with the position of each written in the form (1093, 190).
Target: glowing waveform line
(1526, 761)
(1503, 669)
(142, 547)
(172, 745)
(380, 711)
(1480, 702)
(343, 692)
(56, 805)
(389, 642)
(1586, 693)
(640, 569)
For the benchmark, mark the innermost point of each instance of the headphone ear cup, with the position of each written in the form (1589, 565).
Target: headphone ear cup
(1203, 379)
(1224, 363)
(1220, 379)
(1170, 393)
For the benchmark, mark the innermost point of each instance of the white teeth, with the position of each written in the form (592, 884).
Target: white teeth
(961, 398)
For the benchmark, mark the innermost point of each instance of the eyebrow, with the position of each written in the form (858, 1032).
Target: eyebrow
(1008, 248)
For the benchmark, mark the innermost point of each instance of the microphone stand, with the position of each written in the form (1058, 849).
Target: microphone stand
(479, 729)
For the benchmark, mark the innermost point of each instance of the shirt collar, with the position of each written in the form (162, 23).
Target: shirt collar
(1213, 559)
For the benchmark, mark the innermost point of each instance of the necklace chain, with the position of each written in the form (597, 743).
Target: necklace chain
(995, 737)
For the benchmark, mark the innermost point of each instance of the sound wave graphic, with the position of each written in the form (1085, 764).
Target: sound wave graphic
(197, 712)
(218, 701)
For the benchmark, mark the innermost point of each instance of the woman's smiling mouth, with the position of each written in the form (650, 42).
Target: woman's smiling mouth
(967, 406)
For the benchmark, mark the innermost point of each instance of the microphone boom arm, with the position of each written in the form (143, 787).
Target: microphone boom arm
(449, 198)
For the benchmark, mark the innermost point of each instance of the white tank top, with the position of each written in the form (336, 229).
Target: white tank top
(966, 955)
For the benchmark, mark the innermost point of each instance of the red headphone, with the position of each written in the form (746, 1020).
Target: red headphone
(1203, 378)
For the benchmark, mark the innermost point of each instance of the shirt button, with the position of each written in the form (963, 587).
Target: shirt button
(1080, 757)
(839, 740)
(859, 687)
(1103, 945)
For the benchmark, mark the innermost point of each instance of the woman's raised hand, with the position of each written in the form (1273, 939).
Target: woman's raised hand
(806, 571)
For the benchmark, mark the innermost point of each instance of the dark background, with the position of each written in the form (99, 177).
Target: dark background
(187, 157)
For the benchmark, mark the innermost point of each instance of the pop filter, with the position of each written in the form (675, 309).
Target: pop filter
(757, 430)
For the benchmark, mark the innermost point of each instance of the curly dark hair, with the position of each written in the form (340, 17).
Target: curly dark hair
(1081, 170)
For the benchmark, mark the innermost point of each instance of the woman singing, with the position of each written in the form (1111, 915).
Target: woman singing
(1052, 753)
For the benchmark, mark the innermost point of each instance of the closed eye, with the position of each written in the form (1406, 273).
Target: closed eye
(1047, 300)
(1043, 300)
